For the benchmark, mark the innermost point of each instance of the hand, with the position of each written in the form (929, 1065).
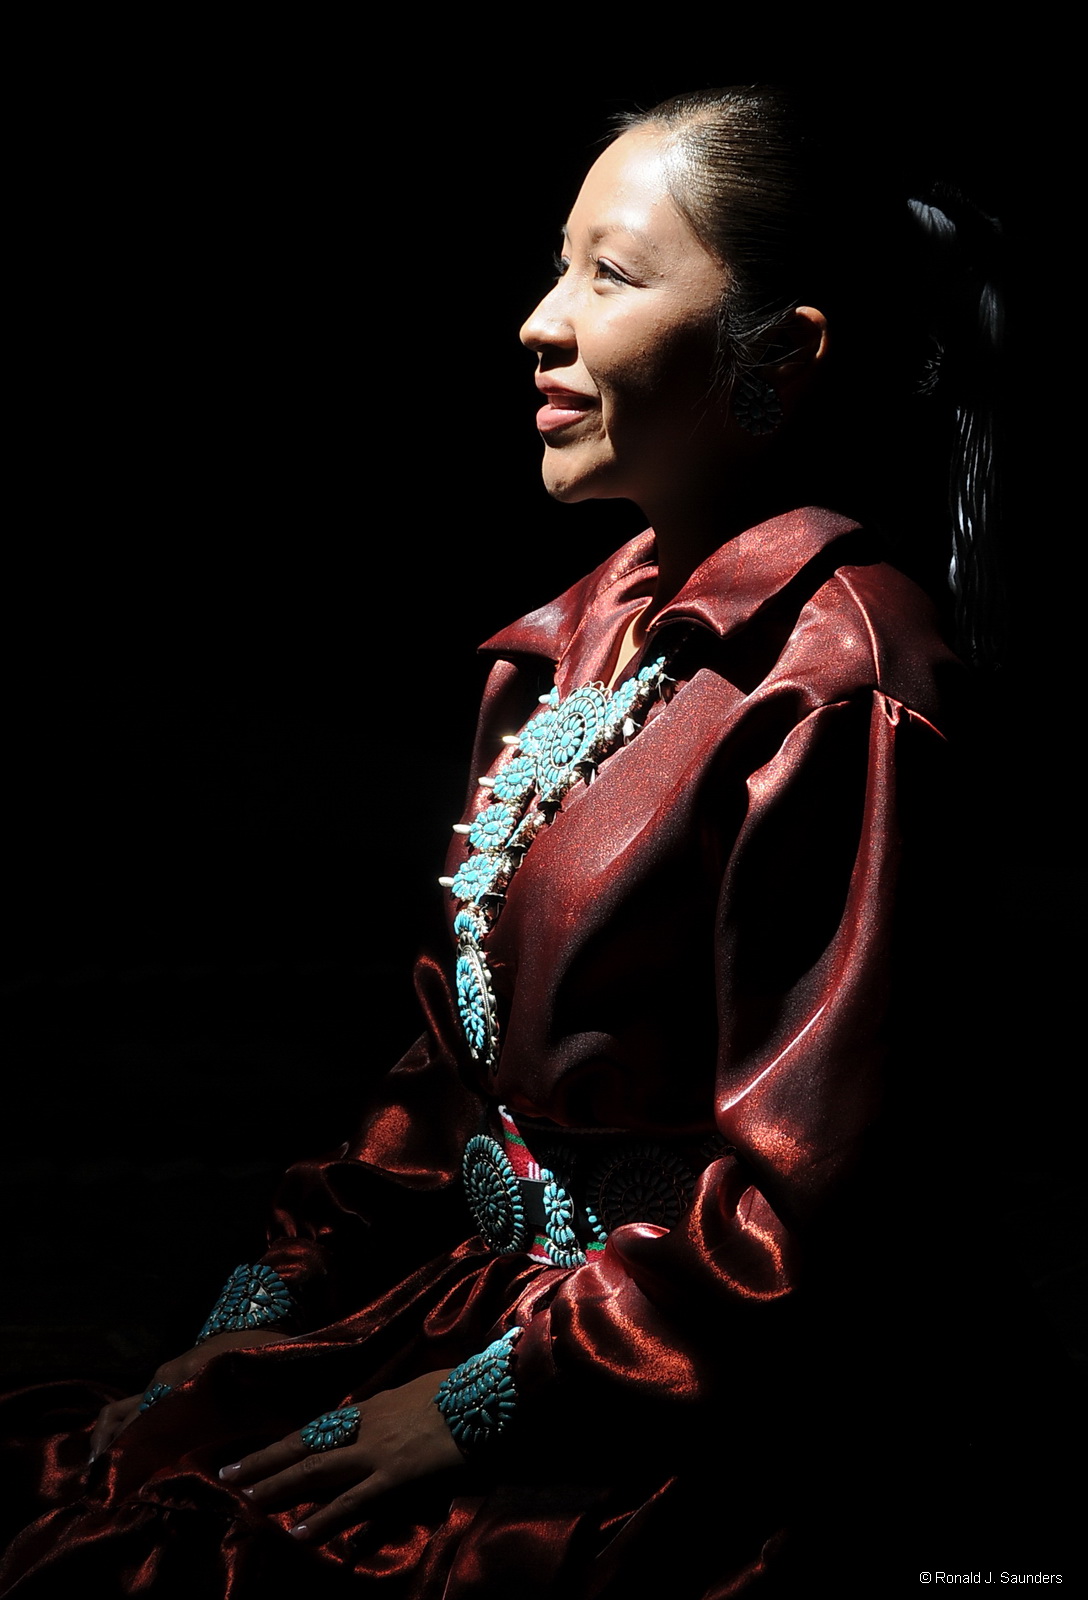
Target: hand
(402, 1436)
(115, 1418)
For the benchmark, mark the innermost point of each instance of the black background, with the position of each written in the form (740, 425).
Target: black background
(275, 476)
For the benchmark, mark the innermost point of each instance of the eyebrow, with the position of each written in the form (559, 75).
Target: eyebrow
(601, 230)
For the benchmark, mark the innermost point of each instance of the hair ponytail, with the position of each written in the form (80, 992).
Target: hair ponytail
(966, 330)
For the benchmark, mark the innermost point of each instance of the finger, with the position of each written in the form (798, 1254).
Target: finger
(313, 1478)
(346, 1509)
(264, 1463)
(111, 1420)
(100, 1433)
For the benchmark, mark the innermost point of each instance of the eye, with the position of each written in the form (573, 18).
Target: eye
(605, 270)
(560, 265)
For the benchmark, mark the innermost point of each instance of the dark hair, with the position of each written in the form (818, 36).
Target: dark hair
(796, 208)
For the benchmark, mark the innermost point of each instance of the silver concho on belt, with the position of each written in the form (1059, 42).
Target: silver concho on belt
(494, 1195)
(637, 1183)
(632, 1181)
(561, 1242)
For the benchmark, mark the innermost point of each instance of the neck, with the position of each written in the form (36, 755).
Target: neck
(687, 533)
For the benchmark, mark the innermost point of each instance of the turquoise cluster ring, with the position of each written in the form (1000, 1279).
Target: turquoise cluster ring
(332, 1430)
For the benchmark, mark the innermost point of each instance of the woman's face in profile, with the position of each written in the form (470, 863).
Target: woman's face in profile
(626, 339)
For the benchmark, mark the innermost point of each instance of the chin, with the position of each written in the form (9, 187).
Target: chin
(569, 487)
(567, 494)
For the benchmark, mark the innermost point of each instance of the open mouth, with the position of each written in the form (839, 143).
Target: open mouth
(561, 408)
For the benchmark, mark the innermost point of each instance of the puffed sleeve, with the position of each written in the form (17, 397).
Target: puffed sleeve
(813, 889)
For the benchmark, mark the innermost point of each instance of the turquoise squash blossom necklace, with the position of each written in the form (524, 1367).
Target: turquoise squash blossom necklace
(563, 743)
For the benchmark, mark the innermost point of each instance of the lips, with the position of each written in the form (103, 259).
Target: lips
(562, 407)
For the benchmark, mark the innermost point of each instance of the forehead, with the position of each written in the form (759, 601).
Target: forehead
(627, 195)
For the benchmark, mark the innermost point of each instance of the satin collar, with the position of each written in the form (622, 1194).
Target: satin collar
(722, 594)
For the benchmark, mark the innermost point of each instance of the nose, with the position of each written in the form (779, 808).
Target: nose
(549, 324)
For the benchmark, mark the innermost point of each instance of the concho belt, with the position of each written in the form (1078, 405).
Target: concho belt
(558, 1202)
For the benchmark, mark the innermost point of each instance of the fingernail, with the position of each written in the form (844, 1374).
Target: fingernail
(228, 1472)
(92, 1458)
(300, 1532)
(248, 1493)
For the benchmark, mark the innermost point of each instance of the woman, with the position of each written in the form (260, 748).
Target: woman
(658, 1064)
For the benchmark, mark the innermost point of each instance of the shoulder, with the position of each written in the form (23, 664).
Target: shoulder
(869, 628)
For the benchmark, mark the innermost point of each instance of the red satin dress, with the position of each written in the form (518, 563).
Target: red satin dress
(698, 954)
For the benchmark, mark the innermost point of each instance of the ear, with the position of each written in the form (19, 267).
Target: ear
(803, 341)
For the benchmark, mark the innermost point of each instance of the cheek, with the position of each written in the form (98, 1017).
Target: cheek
(667, 375)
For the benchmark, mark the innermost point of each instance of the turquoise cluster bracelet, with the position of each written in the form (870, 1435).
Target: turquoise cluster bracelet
(252, 1297)
(478, 1398)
